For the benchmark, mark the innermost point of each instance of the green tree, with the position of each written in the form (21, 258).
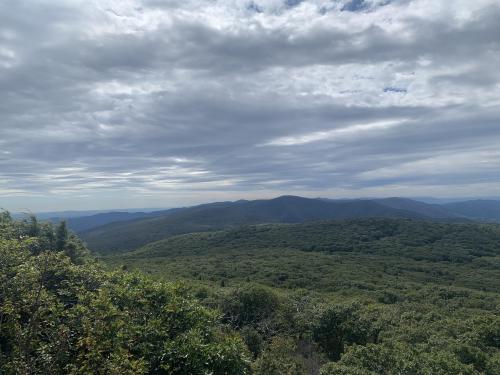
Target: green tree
(61, 236)
(59, 316)
(250, 305)
(279, 358)
(339, 326)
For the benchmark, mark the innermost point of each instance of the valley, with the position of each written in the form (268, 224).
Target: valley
(284, 286)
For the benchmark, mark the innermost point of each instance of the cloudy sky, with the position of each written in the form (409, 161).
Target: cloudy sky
(160, 103)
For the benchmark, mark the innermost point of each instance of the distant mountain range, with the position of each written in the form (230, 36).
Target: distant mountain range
(56, 215)
(479, 209)
(124, 231)
(82, 223)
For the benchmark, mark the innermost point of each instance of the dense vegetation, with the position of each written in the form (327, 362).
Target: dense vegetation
(349, 297)
(282, 209)
(364, 296)
(113, 232)
(129, 235)
(61, 313)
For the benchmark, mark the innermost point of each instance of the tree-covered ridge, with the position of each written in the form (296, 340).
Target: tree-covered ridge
(281, 209)
(124, 236)
(363, 254)
(415, 239)
(61, 313)
(369, 296)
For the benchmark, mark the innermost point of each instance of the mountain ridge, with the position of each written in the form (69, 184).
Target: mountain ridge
(128, 235)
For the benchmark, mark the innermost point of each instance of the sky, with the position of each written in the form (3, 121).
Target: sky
(151, 103)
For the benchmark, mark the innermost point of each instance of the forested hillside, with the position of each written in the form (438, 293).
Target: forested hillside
(119, 237)
(364, 296)
(479, 209)
(351, 297)
(124, 231)
(80, 224)
(62, 313)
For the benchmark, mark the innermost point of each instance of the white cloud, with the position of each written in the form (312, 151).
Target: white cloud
(360, 130)
(151, 96)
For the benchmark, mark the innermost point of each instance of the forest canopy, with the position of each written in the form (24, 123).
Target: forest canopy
(62, 313)
(387, 311)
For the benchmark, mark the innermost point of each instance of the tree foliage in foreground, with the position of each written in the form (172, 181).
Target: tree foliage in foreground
(60, 313)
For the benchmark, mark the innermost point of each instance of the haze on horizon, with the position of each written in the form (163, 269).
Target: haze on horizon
(150, 103)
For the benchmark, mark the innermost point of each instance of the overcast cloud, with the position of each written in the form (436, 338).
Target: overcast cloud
(136, 103)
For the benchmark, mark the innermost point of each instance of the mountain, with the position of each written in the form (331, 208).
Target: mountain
(65, 215)
(435, 211)
(56, 214)
(476, 209)
(83, 223)
(124, 236)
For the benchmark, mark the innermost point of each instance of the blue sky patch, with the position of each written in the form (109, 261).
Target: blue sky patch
(355, 6)
(395, 89)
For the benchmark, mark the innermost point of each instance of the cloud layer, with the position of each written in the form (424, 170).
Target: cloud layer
(109, 103)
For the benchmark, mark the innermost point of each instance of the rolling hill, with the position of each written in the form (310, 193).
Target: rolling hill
(414, 281)
(325, 255)
(83, 223)
(435, 211)
(107, 232)
(476, 209)
(125, 236)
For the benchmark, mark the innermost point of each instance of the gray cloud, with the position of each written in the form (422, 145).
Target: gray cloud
(161, 103)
